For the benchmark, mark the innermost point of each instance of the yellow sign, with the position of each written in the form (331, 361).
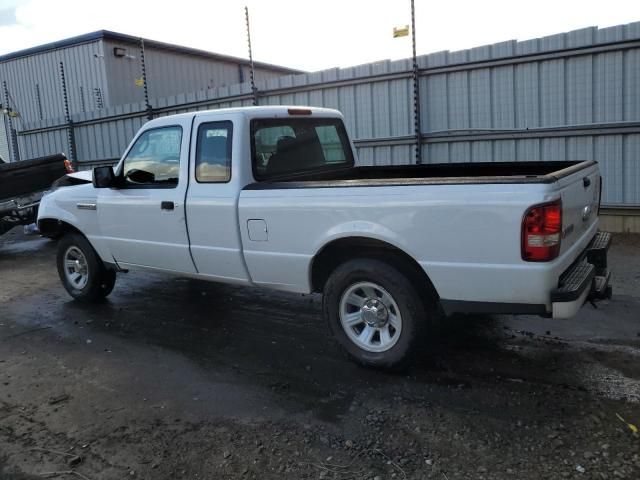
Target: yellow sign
(400, 31)
(140, 82)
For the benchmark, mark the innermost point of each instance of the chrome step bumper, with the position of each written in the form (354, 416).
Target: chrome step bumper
(587, 279)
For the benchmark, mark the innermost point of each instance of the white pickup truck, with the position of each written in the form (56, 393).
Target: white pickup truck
(272, 197)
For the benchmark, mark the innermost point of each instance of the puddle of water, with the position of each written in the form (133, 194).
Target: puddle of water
(31, 245)
(611, 383)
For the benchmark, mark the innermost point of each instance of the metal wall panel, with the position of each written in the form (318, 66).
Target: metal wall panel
(573, 96)
(4, 140)
(169, 73)
(34, 84)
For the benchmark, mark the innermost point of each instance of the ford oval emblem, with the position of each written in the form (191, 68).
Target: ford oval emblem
(586, 213)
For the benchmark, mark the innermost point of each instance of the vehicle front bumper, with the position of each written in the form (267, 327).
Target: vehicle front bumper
(587, 279)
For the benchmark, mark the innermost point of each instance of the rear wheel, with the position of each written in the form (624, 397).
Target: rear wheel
(375, 312)
(81, 271)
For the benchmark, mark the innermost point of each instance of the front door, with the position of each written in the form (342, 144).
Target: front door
(143, 221)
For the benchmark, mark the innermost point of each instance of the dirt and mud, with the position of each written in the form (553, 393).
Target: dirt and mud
(173, 378)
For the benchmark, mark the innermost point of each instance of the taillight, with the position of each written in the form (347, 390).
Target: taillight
(542, 232)
(68, 166)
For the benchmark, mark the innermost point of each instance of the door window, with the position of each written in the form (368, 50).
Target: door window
(213, 152)
(154, 159)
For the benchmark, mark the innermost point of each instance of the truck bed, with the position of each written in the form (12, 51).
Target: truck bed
(430, 174)
(30, 176)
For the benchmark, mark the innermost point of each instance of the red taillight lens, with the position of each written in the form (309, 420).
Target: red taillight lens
(68, 166)
(542, 232)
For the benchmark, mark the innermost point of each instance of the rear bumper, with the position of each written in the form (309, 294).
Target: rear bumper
(586, 279)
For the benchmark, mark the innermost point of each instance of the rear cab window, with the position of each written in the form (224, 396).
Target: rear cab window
(290, 146)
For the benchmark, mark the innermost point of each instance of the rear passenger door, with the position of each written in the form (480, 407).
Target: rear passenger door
(212, 200)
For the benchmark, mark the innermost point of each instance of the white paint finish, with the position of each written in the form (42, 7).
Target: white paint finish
(279, 270)
(85, 175)
(575, 198)
(563, 310)
(212, 210)
(257, 230)
(133, 225)
(62, 205)
(516, 282)
(466, 237)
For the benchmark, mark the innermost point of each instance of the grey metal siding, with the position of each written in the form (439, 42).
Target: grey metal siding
(571, 96)
(169, 73)
(4, 140)
(34, 85)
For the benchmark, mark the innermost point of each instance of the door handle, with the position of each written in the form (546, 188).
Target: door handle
(167, 205)
(586, 181)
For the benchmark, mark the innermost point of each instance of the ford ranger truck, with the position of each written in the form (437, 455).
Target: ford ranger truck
(273, 197)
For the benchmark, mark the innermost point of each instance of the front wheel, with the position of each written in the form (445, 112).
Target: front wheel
(81, 271)
(375, 312)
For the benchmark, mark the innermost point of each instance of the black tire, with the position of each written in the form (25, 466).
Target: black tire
(100, 281)
(417, 314)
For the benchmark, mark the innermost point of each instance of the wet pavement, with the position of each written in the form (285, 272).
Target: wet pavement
(177, 378)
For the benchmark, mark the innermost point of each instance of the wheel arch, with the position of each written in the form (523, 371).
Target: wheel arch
(56, 228)
(342, 249)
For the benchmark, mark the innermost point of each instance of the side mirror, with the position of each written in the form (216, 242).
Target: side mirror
(103, 177)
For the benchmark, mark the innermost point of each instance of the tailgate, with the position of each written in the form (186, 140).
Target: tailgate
(580, 194)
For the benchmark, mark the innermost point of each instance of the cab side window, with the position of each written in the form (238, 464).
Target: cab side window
(154, 160)
(213, 152)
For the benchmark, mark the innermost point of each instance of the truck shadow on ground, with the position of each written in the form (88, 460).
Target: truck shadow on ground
(478, 376)
(279, 341)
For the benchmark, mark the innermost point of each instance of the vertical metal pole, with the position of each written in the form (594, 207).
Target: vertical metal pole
(67, 117)
(15, 152)
(416, 89)
(7, 129)
(144, 81)
(39, 102)
(254, 90)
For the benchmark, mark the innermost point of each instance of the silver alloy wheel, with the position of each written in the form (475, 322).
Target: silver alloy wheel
(76, 268)
(370, 317)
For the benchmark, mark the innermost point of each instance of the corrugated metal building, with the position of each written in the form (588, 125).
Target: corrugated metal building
(101, 69)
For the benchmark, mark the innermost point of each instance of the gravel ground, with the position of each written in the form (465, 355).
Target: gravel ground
(174, 378)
